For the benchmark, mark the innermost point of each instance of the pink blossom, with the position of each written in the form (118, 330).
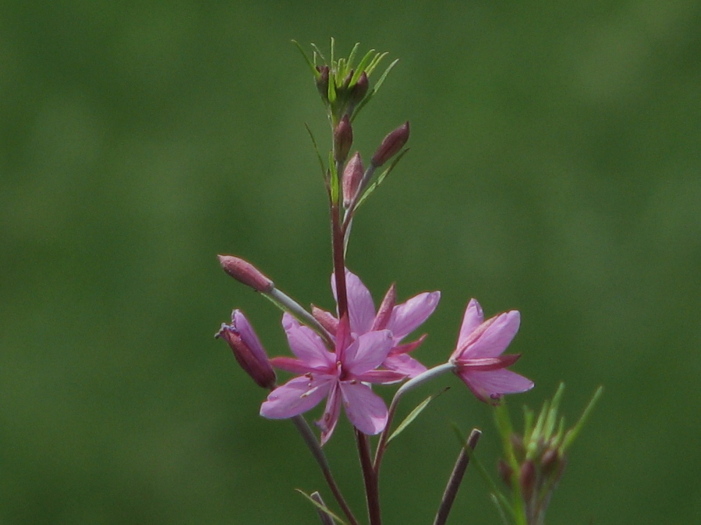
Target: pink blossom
(400, 319)
(338, 376)
(478, 360)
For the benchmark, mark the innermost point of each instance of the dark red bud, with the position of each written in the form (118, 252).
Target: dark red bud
(527, 479)
(245, 273)
(391, 145)
(322, 82)
(505, 472)
(343, 139)
(360, 89)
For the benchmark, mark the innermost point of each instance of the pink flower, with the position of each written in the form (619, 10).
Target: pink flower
(400, 319)
(338, 376)
(478, 360)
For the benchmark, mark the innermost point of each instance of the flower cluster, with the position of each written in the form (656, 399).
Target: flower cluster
(339, 356)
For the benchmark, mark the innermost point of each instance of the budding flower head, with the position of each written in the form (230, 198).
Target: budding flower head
(391, 145)
(245, 273)
(535, 461)
(248, 350)
(352, 175)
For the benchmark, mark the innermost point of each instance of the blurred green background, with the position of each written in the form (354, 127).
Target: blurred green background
(555, 168)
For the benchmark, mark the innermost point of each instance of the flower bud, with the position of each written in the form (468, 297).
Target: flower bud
(527, 479)
(352, 175)
(245, 273)
(505, 472)
(360, 89)
(342, 139)
(391, 144)
(322, 83)
(248, 350)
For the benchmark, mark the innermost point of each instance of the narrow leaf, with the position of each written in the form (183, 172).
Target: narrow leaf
(324, 508)
(413, 414)
(373, 186)
(574, 431)
(318, 153)
(307, 59)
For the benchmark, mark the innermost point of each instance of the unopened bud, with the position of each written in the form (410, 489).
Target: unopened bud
(391, 145)
(352, 175)
(342, 139)
(527, 479)
(245, 273)
(505, 472)
(322, 82)
(360, 89)
(247, 349)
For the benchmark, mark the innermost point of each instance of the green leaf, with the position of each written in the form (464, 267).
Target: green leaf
(375, 88)
(373, 186)
(321, 507)
(307, 59)
(375, 62)
(414, 413)
(351, 57)
(318, 52)
(318, 154)
(362, 65)
(574, 431)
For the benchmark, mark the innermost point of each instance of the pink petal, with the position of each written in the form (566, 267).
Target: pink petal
(328, 420)
(404, 364)
(296, 396)
(384, 312)
(290, 364)
(498, 332)
(248, 335)
(306, 344)
(361, 308)
(380, 376)
(367, 352)
(365, 409)
(491, 385)
(408, 316)
(471, 320)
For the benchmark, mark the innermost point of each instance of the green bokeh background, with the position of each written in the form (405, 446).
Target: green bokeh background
(555, 167)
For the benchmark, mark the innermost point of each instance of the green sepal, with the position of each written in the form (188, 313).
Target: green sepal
(321, 507)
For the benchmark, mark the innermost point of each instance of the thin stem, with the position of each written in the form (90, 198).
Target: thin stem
(320, 457)
(372, 495)
(339, 265)
(451, 489)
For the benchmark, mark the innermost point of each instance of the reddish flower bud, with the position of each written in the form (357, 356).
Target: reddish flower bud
(505, 472)
(342, 139)
(352, 175)
(527, 479)
(322, 82)
(360, 89)
(245, 273)
(391, 145)
(247, 349)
